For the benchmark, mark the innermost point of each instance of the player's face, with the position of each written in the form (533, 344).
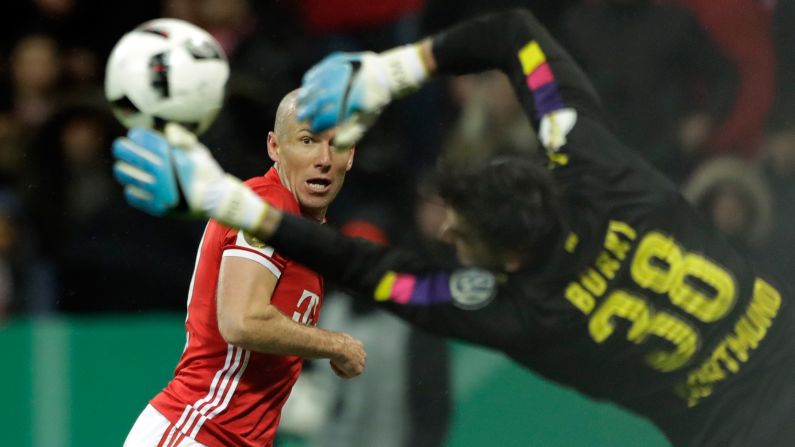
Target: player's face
(470, 250)
(309, 166)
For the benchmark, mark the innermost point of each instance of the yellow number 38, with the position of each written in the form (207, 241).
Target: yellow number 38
(692, 282)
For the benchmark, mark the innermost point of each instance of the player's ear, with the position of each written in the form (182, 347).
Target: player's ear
(351, 153)
(273, 147)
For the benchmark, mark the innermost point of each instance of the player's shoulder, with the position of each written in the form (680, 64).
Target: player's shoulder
(273, 192)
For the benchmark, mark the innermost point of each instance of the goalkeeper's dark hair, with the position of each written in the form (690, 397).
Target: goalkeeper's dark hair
(510, 201)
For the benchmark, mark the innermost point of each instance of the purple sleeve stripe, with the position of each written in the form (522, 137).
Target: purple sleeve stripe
(432, 289)
(547, 99)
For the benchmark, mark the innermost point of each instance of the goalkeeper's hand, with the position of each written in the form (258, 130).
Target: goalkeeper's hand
(161, 172)
(349, 90)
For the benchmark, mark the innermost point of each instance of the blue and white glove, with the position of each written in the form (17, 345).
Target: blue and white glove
(158, 172)
(349, 90)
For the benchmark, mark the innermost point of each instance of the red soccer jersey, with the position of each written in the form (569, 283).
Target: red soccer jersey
(222, 395)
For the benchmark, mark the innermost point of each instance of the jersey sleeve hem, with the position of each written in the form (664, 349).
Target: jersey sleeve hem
(255, 256)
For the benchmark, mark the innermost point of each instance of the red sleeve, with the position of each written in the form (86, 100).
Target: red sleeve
(743, 31)
(322, 16)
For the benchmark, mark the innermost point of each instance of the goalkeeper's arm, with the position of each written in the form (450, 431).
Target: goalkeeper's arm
(349, 90)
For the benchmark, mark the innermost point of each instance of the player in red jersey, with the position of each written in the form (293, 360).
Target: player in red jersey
(252, 312)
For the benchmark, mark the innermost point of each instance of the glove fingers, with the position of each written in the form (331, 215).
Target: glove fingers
(142, 200)
(144, 167)
(324, 92)
(128, 174)
(319, 107)
(349, 133)
(324, 118)
(152, 141)
(321, 67)
(307, 104)
(135, 155)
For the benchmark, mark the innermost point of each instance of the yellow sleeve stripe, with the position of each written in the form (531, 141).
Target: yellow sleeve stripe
(531, 57)
(384, 289)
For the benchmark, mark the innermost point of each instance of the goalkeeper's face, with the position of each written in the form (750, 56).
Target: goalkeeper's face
(309, 166)
(474, 251)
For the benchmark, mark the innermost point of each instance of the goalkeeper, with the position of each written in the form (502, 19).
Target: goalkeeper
(592, 271)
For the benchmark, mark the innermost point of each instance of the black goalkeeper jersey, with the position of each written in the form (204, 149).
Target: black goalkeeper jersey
(643, 303)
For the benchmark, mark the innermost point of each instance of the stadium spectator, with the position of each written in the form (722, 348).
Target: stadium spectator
(13, 141)
(252, 312)
(36, 74)
(734, 196)
(491, 119)
(778, 149)
(84, 226)
(778, 167)
(665, 82)
(340, 16)
(6, 282)
(742, 30)
(783, 118)
(78, 44)
(187, 10)
(229, 21)
(69, 177)
(441, 14)
(27, 281)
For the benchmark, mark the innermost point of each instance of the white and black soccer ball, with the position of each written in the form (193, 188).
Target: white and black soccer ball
(166, 70)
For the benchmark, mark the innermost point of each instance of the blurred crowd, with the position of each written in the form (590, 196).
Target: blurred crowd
(705, 90)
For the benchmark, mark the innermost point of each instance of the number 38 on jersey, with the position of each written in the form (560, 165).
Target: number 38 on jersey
(691, 282)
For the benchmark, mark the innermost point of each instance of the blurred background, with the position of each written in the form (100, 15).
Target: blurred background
(92, 292)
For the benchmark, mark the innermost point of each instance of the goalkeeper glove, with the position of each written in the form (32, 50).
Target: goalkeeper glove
(160, 172)
(349, 90)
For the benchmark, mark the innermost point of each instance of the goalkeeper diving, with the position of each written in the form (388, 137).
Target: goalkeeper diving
(587, 267)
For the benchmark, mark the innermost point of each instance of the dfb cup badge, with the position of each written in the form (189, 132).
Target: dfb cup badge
(253, 241)
(472, 288)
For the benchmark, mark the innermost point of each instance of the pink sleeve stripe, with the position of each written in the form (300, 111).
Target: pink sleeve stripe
(540, 76)
(403, 288)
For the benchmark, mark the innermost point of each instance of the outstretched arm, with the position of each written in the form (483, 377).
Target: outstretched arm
(544, 76)
(443, 301)
(350, 90)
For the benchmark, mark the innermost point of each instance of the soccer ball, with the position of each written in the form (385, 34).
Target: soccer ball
(166, 70)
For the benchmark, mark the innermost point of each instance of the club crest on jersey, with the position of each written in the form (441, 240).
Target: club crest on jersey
(472, 288)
